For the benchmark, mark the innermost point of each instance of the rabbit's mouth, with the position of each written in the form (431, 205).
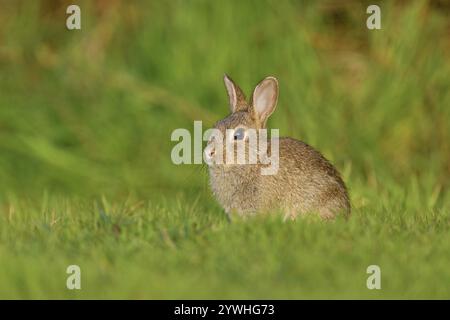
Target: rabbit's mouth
(224, 166)
(223, 160)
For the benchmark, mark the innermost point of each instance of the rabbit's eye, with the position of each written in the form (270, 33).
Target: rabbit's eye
(239, 134)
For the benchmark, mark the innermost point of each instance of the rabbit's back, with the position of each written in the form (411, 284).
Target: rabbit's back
(305, 182)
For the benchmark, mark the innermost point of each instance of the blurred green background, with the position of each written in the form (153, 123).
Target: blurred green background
(86, 118)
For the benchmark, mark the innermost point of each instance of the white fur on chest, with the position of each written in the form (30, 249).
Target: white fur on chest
(235, 192)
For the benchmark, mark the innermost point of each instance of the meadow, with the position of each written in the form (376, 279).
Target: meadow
(86, 176)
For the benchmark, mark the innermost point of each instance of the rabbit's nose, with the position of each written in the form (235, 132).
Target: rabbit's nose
(209, 153)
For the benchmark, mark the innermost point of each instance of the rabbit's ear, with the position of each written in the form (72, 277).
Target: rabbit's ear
(264, 99)
(235, 94)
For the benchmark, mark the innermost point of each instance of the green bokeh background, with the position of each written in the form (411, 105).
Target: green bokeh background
(85, 124)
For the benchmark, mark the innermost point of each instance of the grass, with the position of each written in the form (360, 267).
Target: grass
(170, 250)
(85, 170)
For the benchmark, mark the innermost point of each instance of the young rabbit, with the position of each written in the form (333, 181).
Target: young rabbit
(305, 181)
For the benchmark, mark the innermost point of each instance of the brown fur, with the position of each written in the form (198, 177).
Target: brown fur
(305, 182)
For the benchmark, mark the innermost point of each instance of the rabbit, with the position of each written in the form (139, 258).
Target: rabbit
(305, 183)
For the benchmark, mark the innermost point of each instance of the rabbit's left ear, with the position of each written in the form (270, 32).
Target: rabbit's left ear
(265, 97)
(235, 95)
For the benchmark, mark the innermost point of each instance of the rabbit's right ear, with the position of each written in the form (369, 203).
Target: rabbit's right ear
(235, 95)
(264, 100)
